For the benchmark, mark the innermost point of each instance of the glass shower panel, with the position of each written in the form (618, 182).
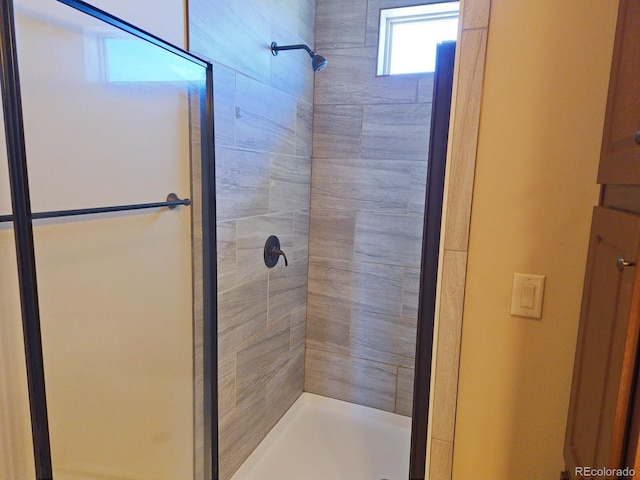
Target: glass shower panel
(106, 119)
(16, 448)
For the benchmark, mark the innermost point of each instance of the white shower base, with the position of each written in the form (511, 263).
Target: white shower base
(320, 438)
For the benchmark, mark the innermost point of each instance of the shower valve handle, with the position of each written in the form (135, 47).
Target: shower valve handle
(272, 252)
(277, 251)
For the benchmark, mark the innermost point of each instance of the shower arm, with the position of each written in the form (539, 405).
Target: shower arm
(275, 48)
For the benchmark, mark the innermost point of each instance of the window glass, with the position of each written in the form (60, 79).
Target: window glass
(409, 35)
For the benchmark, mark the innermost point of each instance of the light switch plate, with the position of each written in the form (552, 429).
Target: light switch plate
(527, 295)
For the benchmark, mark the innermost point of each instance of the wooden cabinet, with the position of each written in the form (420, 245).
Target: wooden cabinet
(607, 346)
(620, 156)
(603, 424)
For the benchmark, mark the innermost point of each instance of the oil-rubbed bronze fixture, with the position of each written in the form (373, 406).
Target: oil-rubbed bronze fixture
(318, 62)
(272, 252)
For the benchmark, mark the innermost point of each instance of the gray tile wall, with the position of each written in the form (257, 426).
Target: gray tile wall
(370, 145)
(263, 120)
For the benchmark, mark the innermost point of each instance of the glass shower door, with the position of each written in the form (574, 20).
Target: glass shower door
(16, 448)
(112, 119)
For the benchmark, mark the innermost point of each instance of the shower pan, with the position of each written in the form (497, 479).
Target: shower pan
(114, 286)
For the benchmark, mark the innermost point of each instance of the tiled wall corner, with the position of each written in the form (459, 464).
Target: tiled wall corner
(263, 126)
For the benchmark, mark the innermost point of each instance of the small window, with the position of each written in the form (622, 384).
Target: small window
(409, 35)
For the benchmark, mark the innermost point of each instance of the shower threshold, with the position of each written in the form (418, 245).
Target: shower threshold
(321, 438)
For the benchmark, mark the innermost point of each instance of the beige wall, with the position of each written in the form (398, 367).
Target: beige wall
(263, 120)
(540, 130)
(110, 345)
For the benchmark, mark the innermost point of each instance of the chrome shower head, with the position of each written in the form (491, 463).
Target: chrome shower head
(318, 62)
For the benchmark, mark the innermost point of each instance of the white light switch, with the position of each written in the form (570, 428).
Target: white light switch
(527, 295)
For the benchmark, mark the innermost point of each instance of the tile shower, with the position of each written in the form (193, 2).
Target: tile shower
(263, 118)
(269, 146)
(340, 319)
(370, 145)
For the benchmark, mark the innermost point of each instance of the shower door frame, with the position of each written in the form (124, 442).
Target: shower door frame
(429, 263)
(24, 242)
